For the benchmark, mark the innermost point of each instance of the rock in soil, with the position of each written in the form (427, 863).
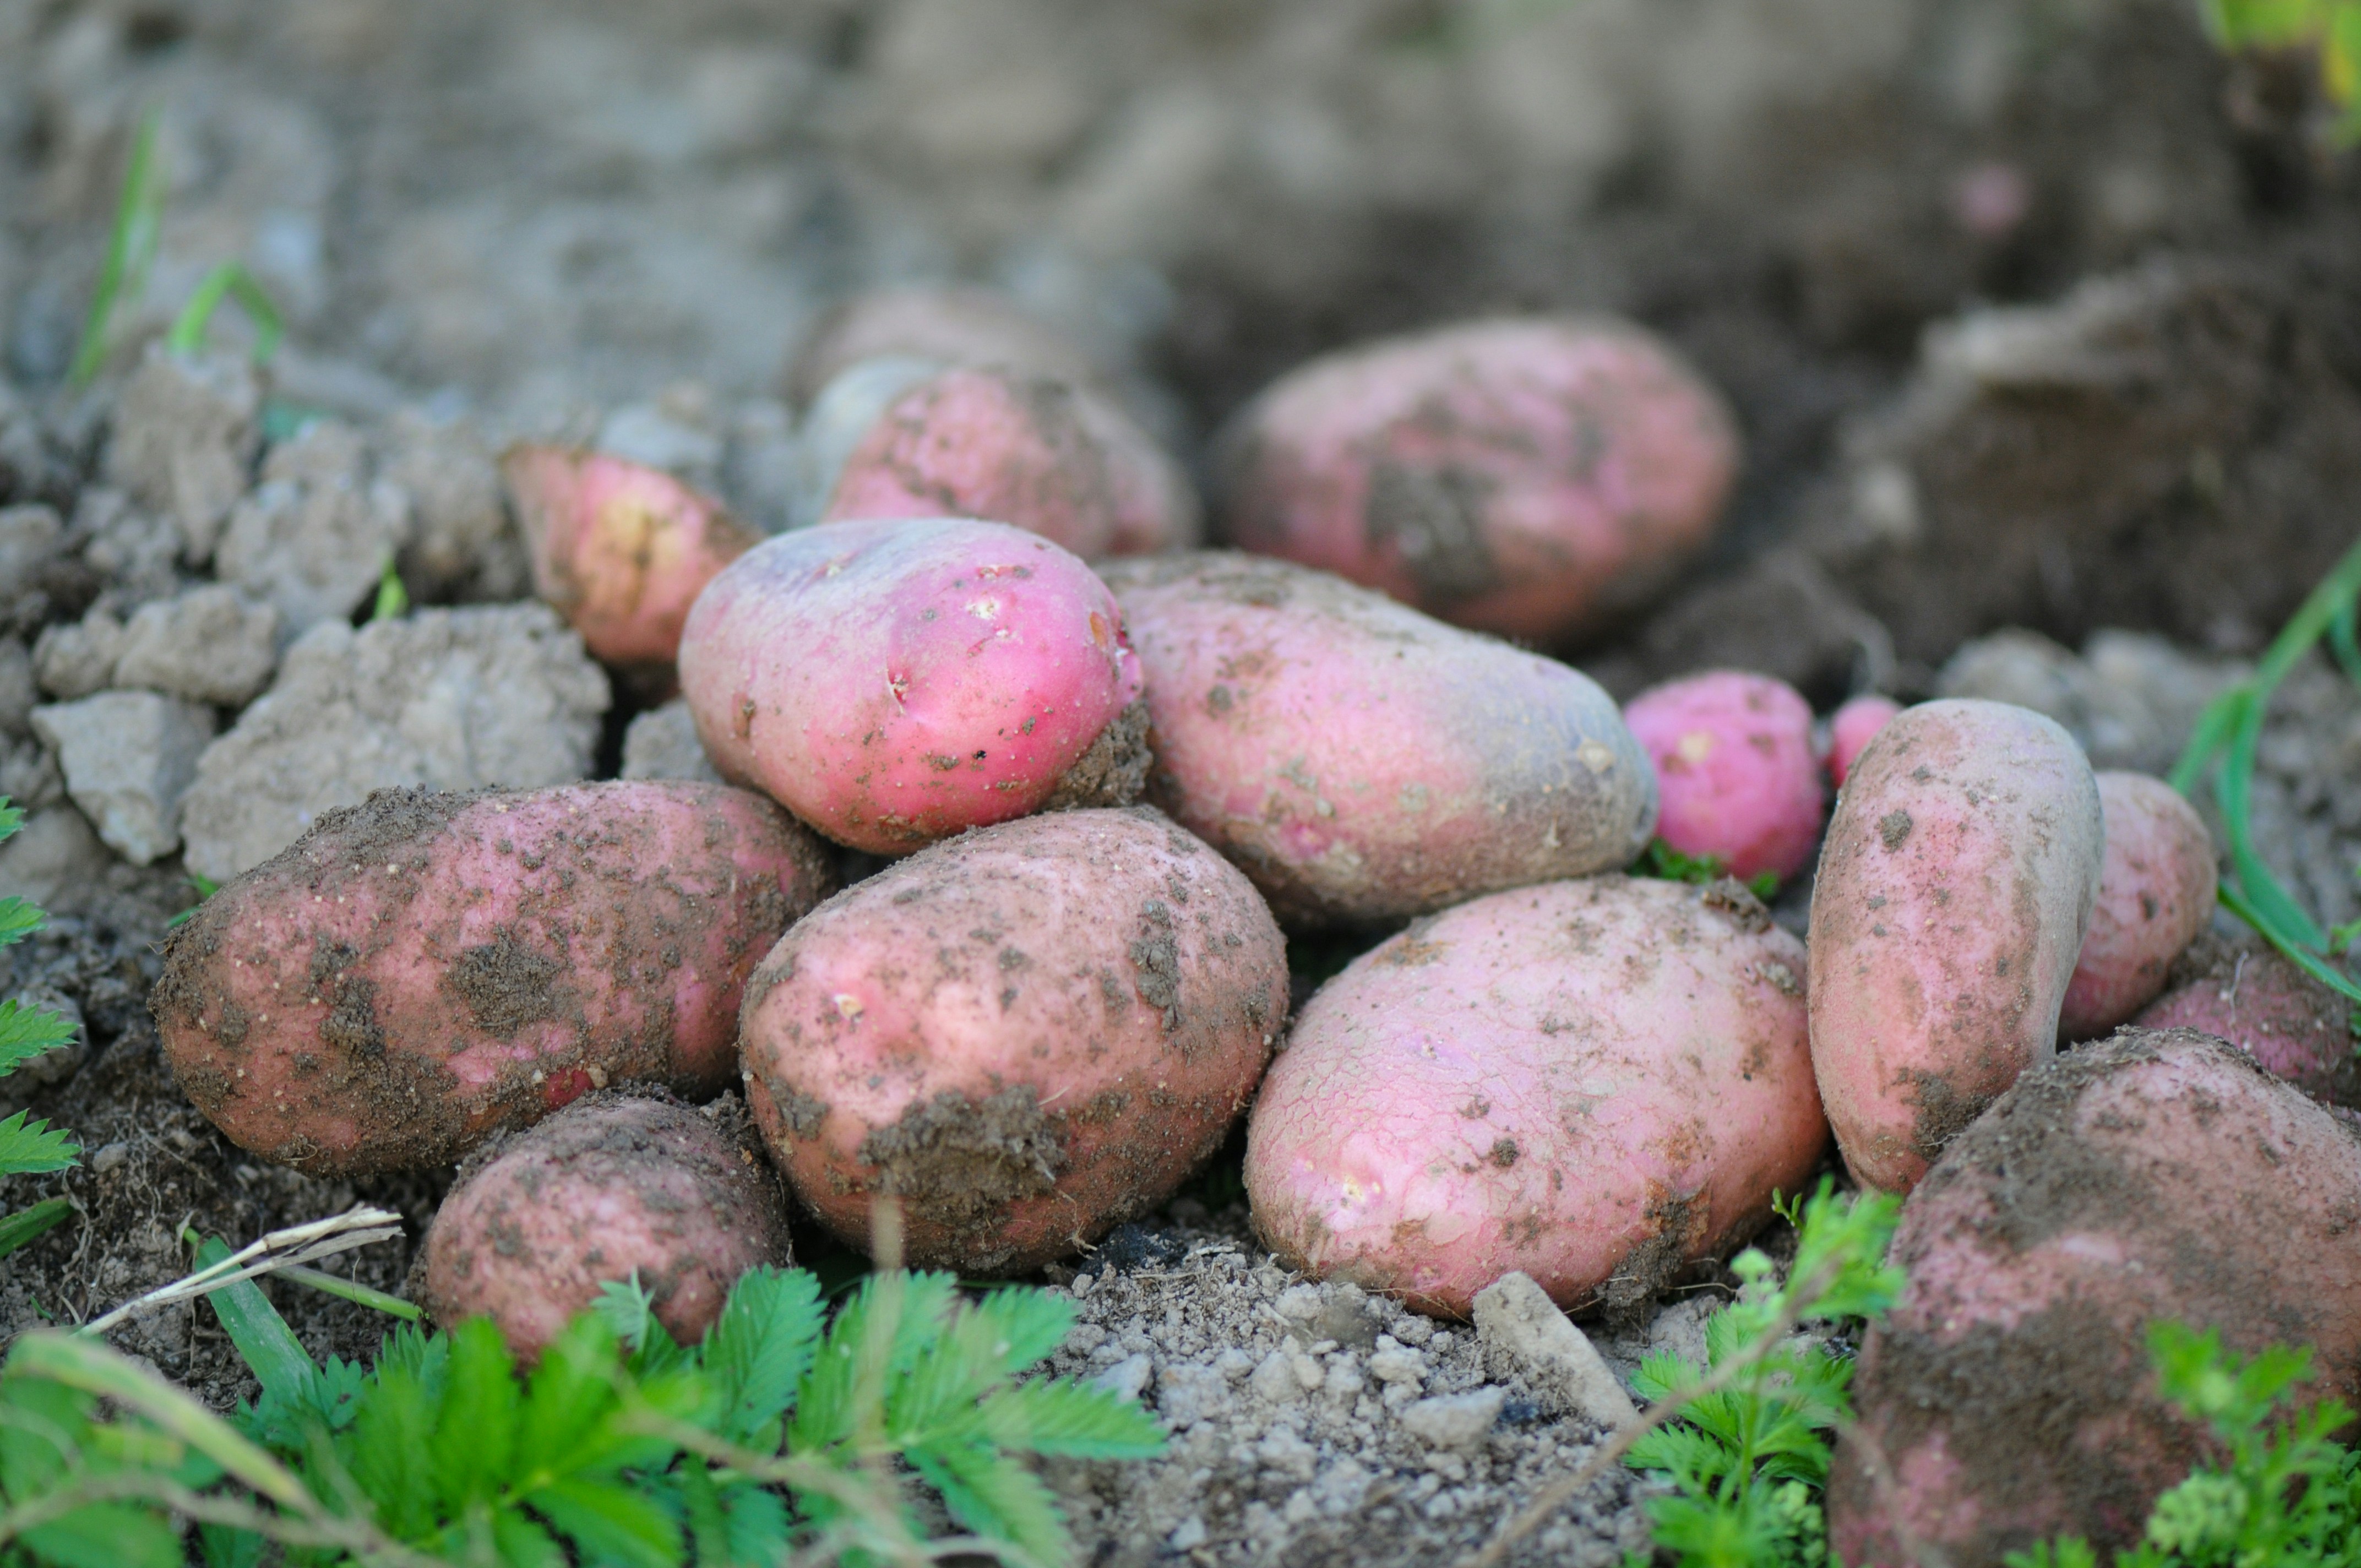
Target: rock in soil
(128, 757)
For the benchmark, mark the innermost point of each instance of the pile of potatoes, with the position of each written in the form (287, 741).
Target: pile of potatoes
(1106, 770)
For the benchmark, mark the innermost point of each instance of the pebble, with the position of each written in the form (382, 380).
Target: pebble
(128, 759)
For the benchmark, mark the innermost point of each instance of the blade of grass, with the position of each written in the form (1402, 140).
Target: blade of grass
(392, 593)
(230, 281)
(2311, 963)
(33, 1220)
(352, 1290)
(270, 1348)
(130, 249)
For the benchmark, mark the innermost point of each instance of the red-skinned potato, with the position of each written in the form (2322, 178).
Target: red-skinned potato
(1362, 761)
(2294, 1026)
(423, 969)
(611, 1187)
(1953, 893)
(623, 550)
(2009, 1397)
(1852, 728)
(2155, 893)
(1596, 1082)
(1026, 1035)
(1735, 771)
(951, 326)
(1527, 478)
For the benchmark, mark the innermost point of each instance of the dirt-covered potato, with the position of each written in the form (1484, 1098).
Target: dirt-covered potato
(2009, 1396)
(423, 970)
(2155, 893)
(2295, 1026)
(1026, 1035)
(1362, 761)
(896, 683)
(1735, 770)
(951, 326)
(1596, 1082)
(1953, 893)
(610, 1187)
(1522, 476)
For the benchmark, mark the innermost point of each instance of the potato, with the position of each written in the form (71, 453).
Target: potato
(1595, 1082)
(2009, 1397)
(610, 1186)
(1852, 728)
(1050, 456)
(621, 548)
(1529, 478)
(1735, 770)
(2294, 1026)
(896, 683)
(951, 326)
(2155, 892)
(1026, 1035)
(420, 971)
(1953, 894)
(1362, 761)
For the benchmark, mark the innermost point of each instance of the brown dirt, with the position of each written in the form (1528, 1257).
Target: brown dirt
(961, 1162)
(1112, 771)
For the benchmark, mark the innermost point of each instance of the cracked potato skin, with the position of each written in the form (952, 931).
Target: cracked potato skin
(1954, 890)
(1026, 1035)
(1594, 1081)
(420, 971)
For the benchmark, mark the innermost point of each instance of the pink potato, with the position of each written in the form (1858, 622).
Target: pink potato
(1051, 456)
(420, 971)
(621, 548)
(896, 683)
(1362, 761)
(1596, 1082)
(1528, 477)
(1026, 1035)
(2294, 1026)
(2010, 1397)
(1953, 894)
(951, 326)
(2155, 893)
(1851, 729)
(610, 1188)
(1734, 770)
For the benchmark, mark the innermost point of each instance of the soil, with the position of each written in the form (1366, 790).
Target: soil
(2032, 315)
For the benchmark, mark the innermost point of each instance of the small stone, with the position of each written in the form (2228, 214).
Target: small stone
(1127, 1379)
(1188, 1393)
(1189, 1535)
(314, 539)
(30, 538)
(1301, 1302)
(111, 1159)
(1234, 1363)
(662, 743)
(1274, 1382)
(1285, 1451)
(128, 757)
(1521, 1331)
(18, 691)
(51, 858)
(1394, 1363)
(1455, 1421)
(75, 659)
(184, 439)
(208, 646)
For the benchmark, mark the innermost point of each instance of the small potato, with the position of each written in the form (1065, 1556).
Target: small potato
(896, 683)
(1851, 729)
(610, 1186)
(1362, 761)
(1953, 893)
(2155, 892)
(1028, 1035)
(1734, 770)
(951, 326)
(422, 971)
(1596, 1082)
(2294, 1026)
(621, 548)
(1527, 478)
(2009, 1399)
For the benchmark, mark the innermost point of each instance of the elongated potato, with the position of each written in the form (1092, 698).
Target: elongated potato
(610, 1188)
(2009, 1399)
(1954, 890)
(2155, 893)
(423, 969)
(1596, 1082)
(1026, 1035)
(1362, 761)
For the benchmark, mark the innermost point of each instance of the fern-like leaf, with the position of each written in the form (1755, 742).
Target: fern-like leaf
(28, 1149)
(28, 1032)
(761, 1347)
(995, 1496)
(1072, 1419)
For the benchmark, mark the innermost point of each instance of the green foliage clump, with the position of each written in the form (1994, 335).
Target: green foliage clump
(1667, 864)
(29, 1148)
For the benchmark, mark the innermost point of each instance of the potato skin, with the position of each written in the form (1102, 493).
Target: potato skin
(1735, 770)
(610, 1186)
(1953, 893)
(1028, 1034)
(953, 327)
(1046, 455)
(419, 971)
(2295, 1027)
(2009, 1399)
(896, 683)
(621, 548)
(2157, 890)
(1594, 1081)
(1362, 761)
(1524, 476)
(1852, 728)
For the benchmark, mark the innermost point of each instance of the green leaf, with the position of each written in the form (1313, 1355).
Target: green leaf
(610, 1520)
(19, 919)
(29, 1148)
(222, 1547)
(33, 1220)
(227, 281)
(761, 1346)
(523, 1543)
(389, 1451)
(130, 249)
(269, 1348)
(28, 1032)
(569, 1398)
(106, 1535)
(392, 593)
(755, 1522)
(1070, 1419)
(474, 1441)
(995, 1496)
(11, 818)
(1025, 1325)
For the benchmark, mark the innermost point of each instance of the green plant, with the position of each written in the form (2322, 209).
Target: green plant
(1661, 861)
(392, 593)
(29, 1148)
(2331, 27)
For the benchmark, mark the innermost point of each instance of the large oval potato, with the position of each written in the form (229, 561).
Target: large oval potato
(1362, 761)
(2009, 1399)
(1520, 477)
(1026, 1035)
(610, 1188)
(896, 683)
(1596, 1082)
(419, 971)
(2155, 893)
(1954, 890)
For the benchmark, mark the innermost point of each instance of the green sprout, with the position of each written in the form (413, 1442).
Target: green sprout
(130, 249)
(2331, 27)
(230, 281)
